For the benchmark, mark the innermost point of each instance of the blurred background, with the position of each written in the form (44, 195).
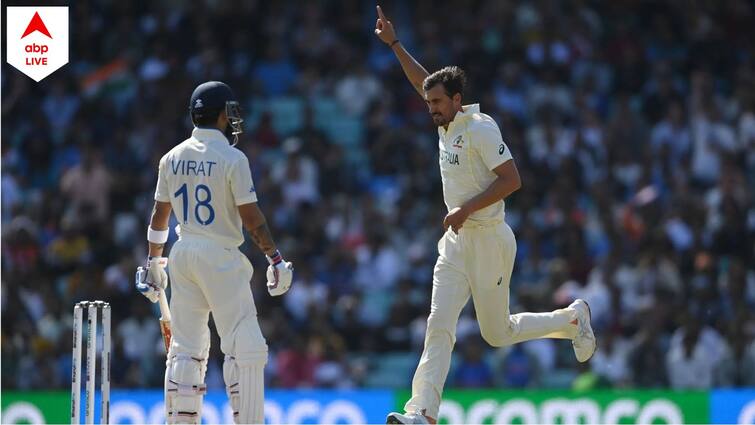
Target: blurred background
(632, 124)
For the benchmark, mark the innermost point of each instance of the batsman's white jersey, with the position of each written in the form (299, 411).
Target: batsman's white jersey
(205, 180)
(476, 262)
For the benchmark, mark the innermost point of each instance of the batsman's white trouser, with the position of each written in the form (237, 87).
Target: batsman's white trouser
(207, 277)
(478, 262)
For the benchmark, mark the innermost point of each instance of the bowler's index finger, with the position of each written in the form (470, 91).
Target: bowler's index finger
(380, 13)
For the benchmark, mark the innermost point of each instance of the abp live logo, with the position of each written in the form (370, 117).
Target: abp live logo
(37, 39)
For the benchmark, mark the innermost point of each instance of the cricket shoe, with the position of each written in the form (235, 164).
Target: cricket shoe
(584, 343)
(408, 418)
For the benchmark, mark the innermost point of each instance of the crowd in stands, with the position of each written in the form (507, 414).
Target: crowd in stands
(632, 124)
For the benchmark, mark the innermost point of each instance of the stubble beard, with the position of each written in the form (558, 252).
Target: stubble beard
(439, 120)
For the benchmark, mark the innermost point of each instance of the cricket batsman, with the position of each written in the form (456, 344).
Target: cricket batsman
(476, 254)
(208, 183)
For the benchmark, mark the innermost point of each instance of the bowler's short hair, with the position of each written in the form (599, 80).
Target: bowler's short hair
(452, 78)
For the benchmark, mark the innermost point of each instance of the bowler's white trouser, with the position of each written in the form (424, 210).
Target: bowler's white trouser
(207, 277)
(478, 262)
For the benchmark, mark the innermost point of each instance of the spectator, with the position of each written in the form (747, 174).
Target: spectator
(611, 360)
(646, 358)
(87, 185)
(297, 364)
(473, 371)
(693, 356)
(275, 75)
(297, 176)
(518, 368)
(357, 90)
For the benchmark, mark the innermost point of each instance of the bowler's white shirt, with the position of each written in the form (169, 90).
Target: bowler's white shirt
(205, 179)
(469, 150)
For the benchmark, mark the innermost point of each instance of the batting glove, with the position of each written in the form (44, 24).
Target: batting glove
(152, 279)
(279, 275)
(144, 287)
(156, 274)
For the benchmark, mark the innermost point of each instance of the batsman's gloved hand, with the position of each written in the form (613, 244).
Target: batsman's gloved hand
(152, 279)
(156, 273)
(279, 275)
(144, 287)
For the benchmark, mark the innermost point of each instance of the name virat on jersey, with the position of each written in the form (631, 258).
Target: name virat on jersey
(192, 168)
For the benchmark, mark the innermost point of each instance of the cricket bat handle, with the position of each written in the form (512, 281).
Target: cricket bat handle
(165, 320)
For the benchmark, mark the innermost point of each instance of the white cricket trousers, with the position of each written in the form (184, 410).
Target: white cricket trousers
(207, 277)
(478, 262)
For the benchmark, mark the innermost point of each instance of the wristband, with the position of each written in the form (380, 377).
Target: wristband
(163, 261)
(393, 42)
(275, 258)
(157, 236)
